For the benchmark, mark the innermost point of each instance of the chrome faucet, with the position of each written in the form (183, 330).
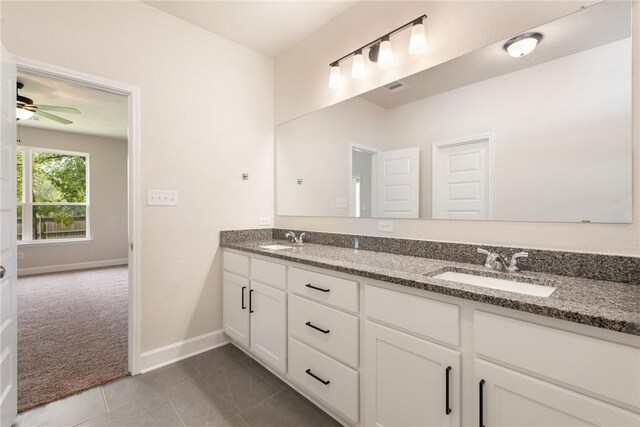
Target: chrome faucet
(298, 240)
(495, 261)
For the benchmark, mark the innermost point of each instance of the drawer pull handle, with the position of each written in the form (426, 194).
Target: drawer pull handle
(481, 412)
(309, 285)
(244, 307)
(308, 371)
(251, 301)
(447, 408)
(311, 325)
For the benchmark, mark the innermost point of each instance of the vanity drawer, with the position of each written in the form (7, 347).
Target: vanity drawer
(423, 316)
(329, 290)
(236, 263)
(268, 273)
(341, 340)
(602, 367)
(341, 390)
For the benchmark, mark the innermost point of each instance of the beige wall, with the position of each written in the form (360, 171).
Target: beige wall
(207, 117)
(108, 198)
(453, 28)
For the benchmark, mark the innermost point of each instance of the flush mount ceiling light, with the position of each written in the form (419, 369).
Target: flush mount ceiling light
(523, 44)
(380, 52)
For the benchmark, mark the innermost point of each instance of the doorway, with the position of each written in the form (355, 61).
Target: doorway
(129, 263)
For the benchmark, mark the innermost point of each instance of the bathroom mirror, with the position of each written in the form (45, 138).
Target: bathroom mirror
(486, 136)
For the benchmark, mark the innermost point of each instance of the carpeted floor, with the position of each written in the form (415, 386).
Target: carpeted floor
(72, 333)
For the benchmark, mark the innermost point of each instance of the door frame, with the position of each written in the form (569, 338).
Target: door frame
(435, 157)
(134, 184)
(351, 193)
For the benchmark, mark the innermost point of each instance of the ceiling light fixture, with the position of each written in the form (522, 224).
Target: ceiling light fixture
(23, 113)
(523, 44)
(380, 52)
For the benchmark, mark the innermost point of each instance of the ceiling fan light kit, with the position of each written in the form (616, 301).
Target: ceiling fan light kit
(380, 52)
(27, 109)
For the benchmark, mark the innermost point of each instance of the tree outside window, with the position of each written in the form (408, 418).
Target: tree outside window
(52, 191)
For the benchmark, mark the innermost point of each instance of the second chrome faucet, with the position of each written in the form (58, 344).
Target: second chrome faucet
(495, 261)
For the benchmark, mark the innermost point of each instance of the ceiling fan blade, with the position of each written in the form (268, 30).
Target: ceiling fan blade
(52, 117)
(58, 108)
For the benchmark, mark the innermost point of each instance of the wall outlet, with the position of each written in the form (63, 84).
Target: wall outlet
(20, 255)
(263, 221)
(162, 198)
(386, 226)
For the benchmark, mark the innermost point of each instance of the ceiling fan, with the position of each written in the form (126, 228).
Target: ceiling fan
(26, 109)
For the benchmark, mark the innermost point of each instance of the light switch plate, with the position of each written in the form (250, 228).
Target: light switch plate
(386, 226)
(342, 202)
(263, 220)
(162, 198)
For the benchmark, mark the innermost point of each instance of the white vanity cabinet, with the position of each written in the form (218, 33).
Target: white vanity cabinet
(255, 307)
(410, 381)
(377, 354)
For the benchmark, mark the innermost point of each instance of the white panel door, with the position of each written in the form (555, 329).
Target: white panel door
(235, 307)
(396, 183)
(506, 398)
(461, 179)
(8, 247)
(268, 308)
(406, 380)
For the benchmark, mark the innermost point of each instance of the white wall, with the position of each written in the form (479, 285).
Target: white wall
(316, 148)
(454, 28)
(108, 198)
(207, 117)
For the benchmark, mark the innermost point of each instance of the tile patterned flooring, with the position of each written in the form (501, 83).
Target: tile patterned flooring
(220, 388)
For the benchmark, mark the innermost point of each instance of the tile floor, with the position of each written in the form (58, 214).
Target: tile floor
(222, 387)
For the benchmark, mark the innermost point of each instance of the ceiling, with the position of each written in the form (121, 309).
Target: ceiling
(268, 27)
(102, 113)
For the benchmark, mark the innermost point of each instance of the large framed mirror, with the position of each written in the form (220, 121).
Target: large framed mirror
(485, 136)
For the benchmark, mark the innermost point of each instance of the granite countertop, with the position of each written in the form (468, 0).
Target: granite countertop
(607, 305)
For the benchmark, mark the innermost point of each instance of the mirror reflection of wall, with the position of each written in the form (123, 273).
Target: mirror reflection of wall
(545, 137)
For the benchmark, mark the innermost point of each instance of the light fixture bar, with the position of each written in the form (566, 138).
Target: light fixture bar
(419, 19)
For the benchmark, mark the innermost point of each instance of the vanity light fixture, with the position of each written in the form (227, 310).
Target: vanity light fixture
(380, 52)
(523, 44)
(335, 78)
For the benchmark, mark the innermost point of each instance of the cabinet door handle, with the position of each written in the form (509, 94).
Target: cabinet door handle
(309, 285)
(481, 411)
(244, 307)
(308, 371)
(251, 301)
(447, 408)
(311, 325)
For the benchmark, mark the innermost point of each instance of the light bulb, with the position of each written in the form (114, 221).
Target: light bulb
(23, 114)
(418, 42)
(335, 79)
(358, 70)
(523, 44)
(385, 56)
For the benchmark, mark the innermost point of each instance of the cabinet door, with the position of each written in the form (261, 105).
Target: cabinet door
(269, 324)
(235, 308)
(511, 399)
(406, 380)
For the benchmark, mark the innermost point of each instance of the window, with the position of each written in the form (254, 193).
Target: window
(53, 194)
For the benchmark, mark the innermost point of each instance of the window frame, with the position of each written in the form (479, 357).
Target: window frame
(27, 202)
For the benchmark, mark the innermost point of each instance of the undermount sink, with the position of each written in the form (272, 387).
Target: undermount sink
(275, 247)
(495, 283)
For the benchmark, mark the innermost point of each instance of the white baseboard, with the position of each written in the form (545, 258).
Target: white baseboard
(70, 267)
(154, 359)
